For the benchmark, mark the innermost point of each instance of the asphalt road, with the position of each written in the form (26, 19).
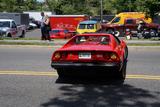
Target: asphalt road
(36, 34)
(27, 80)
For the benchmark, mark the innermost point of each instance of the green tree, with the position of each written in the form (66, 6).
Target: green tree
(30, 4)
(90, 7)
(73, 6)
(151, 7)
(8, 5)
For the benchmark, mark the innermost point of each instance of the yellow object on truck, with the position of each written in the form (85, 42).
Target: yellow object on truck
(120, 18)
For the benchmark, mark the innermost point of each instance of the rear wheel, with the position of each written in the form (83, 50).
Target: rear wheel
(139, 35)
(23, 34)
(9, 35)
(122, 72)
(61, 73)
(153, 33)
(117, 33)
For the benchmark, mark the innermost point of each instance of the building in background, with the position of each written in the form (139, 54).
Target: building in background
(36, 15)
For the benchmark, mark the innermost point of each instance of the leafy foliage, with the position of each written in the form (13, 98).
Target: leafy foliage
(90, 7)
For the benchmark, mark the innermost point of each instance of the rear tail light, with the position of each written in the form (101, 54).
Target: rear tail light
(64, 56)
(111, 57)
(106, 56)
(114, 57)
(56, 56)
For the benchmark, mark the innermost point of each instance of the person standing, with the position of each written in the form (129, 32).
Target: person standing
(43, 37)
(47, 27)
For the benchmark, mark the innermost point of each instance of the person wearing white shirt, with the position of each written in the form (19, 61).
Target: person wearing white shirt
(43, 37)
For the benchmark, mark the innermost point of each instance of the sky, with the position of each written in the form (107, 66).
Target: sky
(40, 0)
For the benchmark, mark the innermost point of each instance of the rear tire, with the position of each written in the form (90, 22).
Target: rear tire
(61, 73)
(9, 35)
(117, 33)
(139, 35)
(122, 72)
(23, 34)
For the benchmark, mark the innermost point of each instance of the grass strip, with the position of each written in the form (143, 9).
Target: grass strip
(24, 43)
(52, 43)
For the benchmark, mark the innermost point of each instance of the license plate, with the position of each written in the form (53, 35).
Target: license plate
(85, 55)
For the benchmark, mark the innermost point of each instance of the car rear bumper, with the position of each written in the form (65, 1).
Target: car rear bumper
(90, 66)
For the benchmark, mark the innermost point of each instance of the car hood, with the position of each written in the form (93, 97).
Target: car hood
(87, 48)
(4, 28)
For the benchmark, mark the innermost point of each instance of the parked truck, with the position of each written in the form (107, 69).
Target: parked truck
(8, 28)
(19, 18)
(120, 18)
(131, 25)
(129, 22)
(13, 24)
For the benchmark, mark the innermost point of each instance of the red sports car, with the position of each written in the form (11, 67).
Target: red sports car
(60, 34)
(93, 53)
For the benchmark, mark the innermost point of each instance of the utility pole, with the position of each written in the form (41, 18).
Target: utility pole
(130, 3)
(101, 15)
(41, 6)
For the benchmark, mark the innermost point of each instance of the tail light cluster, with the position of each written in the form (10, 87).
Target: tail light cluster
(64, 56)
(58, 56)
(107, 57)
(112, 57)
(95, 56)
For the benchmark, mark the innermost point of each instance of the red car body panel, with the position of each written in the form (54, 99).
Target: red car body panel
(70, 46)
(60, 34)
(68, 22)
(94, 53)
(86, 48)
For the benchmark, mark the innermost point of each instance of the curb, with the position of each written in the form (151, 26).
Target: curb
(59, 43)
(58, 46)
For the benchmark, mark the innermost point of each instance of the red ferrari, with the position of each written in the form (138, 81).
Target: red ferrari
(93, 53)
(60, 34)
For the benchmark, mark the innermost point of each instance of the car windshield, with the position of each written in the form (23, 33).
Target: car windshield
(90, 26)
(103, 40)
(5, 24)
(115, 20)
(82, 26)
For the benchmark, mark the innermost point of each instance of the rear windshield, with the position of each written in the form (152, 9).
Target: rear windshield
(103, 40)
(5, 24)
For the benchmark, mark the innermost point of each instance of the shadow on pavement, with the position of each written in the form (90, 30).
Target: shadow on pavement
(99, 93)
(85, 80)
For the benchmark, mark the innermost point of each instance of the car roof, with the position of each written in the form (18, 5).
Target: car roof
(88, 22)
(6, 20)
(94, 34)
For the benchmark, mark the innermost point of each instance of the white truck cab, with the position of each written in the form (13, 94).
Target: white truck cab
(8, 28)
